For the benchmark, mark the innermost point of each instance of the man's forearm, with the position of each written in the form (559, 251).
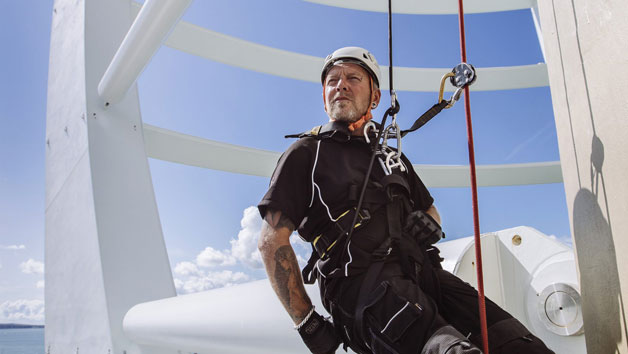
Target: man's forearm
(282, 266)
(433, 212)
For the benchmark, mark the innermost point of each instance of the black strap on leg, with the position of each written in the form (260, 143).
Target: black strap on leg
(368, 284)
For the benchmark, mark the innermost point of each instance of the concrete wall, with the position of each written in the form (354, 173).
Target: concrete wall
(586, 45)
(104, 246)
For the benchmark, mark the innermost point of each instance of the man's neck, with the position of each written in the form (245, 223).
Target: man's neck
(357, 132)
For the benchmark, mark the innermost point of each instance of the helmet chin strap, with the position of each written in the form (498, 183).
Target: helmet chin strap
(358, 124)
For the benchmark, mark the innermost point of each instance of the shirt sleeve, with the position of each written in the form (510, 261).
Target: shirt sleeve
(419, 193)
(290, 189)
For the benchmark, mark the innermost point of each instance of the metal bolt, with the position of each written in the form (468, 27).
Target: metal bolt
(134, 127)
(516, 240)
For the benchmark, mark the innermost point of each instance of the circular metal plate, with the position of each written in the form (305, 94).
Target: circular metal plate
(560, 310)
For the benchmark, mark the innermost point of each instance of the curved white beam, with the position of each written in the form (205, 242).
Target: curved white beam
(155, 20)
(436, 176)
(430, 7)
(190, 150)
(229, 50)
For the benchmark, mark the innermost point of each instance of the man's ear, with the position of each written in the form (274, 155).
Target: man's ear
(377, 95)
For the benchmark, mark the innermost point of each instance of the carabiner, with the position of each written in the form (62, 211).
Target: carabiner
(367, 126)
(394, 155)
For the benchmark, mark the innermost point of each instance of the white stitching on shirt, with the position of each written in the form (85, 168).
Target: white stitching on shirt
(315, 186)
(350, 259)
(314, 169)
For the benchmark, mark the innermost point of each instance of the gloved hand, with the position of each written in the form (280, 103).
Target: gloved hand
(423, 227)
(319, 335)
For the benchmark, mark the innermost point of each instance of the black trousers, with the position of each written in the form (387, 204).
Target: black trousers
(399, 317)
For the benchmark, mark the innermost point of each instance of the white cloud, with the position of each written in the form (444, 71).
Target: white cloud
(209, 280)
(302, 249)
(194, 276)
(32, 266)
(244, 249)
(31, 311)
(210, 258)
(186, 269)
(12, 247)
(40, 284)
(563, 239)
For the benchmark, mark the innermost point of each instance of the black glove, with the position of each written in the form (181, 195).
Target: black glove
(423, 228)
(319, 335)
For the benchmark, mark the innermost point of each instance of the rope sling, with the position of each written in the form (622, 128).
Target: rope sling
(461, 77)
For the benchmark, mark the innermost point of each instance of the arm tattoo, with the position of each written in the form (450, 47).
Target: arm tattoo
(289, 285)
(278, 220)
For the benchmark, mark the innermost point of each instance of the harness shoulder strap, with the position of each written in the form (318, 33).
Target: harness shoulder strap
(314, 132)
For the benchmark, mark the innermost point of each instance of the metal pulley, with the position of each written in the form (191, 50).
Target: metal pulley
(464, 75)
(461, 76)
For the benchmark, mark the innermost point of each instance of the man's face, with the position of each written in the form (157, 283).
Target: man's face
(347, 92)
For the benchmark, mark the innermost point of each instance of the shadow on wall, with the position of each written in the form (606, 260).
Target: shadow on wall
(597, 263)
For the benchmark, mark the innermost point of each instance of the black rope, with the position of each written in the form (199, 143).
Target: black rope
(390, 53)
(394, 108)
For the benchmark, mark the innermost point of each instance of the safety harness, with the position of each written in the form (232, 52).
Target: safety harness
(410, 235)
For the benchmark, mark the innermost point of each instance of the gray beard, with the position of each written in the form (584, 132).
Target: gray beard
(344, 115)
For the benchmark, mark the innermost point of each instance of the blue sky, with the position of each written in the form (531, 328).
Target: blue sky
(202, 208)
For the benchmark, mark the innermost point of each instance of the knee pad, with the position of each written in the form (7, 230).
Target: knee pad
(447, 340)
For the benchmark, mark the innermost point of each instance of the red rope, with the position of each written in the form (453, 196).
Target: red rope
(474, 189)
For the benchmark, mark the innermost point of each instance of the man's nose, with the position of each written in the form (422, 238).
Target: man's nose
(341, 85)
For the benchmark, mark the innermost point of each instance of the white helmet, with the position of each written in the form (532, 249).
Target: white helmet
(355, 55)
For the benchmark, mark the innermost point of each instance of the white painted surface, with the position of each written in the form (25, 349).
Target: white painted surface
(104, 245)
(586, 42)
(430, 7)
(150, 28)
(229, 50)
(516, 275)
(249, 318)
(245, 318)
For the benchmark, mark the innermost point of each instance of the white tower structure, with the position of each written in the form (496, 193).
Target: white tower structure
(586, 45)
(105, 251)
(104, 246)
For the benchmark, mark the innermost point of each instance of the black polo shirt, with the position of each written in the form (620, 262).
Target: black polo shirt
(314, 179)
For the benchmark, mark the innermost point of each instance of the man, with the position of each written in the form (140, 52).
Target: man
(383, 285)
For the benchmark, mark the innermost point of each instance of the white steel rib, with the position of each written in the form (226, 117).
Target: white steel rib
(430, 7)
(155, 20)
(190, 150)
(237, 52)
